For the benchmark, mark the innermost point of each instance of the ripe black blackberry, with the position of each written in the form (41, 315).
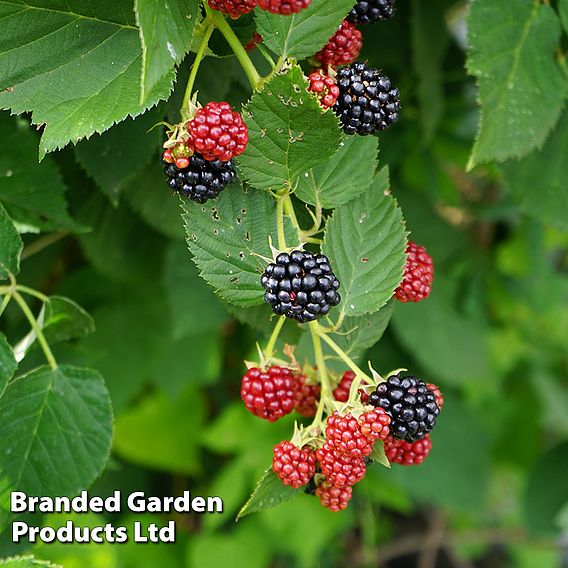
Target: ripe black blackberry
(202, 179)
(409, 403)
(370, 11)
(300, 285)
(367, 101)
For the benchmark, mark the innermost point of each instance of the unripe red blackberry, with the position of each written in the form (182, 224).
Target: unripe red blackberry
(200, 180)
(269, 394)
(406, 453)
(344, 433)
(367, 101)
(324, 87)
(218, 132)
(369, 11)
(375, 424)
(334, 498)
(233, 8)
(300, 285)
(409, 403)
(341, 392)
(294, 466)
(343, 47)
(307, 398)
(437, 393)
(340, 469)
(284, 7)
(416, 283)
(253, 42)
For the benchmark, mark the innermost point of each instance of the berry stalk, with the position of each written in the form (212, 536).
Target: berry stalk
(269, 351)
(326, 393)
(221, 24)
(210, 26)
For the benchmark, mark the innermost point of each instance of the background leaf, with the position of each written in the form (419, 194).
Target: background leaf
(79, 67)
(521, 87)
(543, 192)
(8, 364)
(64, 319)
(166, 32)
(303, 34)
(289, 133)
(33, 194)
(365, 241)
(26, 562)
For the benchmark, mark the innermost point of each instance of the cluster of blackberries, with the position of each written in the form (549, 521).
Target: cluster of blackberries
(367, 101)
(300, 285)
(370, 11)
(201, 179)
(411, 405)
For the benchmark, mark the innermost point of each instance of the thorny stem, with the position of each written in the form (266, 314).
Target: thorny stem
(269, 351)
(326, 393)
(195, 67)
(221, 24)
(342, 355)
(37, 330)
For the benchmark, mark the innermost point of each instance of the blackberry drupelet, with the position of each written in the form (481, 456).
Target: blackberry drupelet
(201, 180)
(367, 101)
(409, 403)
(370, 11)
(300, 285)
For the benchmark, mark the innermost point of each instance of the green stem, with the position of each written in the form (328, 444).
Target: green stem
(41, 243)
(280, 223)
(326, 393)
(5, 301)
(342, 355)
(248, 66)
(289, 208)
(269, 351)
(37, 330)
(32, 292)
(195, 67)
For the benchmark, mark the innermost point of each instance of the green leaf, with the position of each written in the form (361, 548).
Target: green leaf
(303, 34)
(563, 9)
(346, 175)
(63, 319)
(166, 32)
(55, 432)
(547, 491)
(268, 493)
(289, 132)
(122, 247)
(228, 237)
(26, 562)
(194, 308)
(543, 192)
(430, 41)
(8, 364)
(521, 87)
(10, 246)
(160, 433)
(378, 454)
(75, 66)
(458, 352)
(33, 194)
(360, 333)
(152, 199)
(112, 159)
(365, 241)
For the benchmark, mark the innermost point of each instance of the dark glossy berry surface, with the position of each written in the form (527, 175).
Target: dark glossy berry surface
(370, 11)
(201, 180)
(367, 102)
(300, 285)
(410, 404)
